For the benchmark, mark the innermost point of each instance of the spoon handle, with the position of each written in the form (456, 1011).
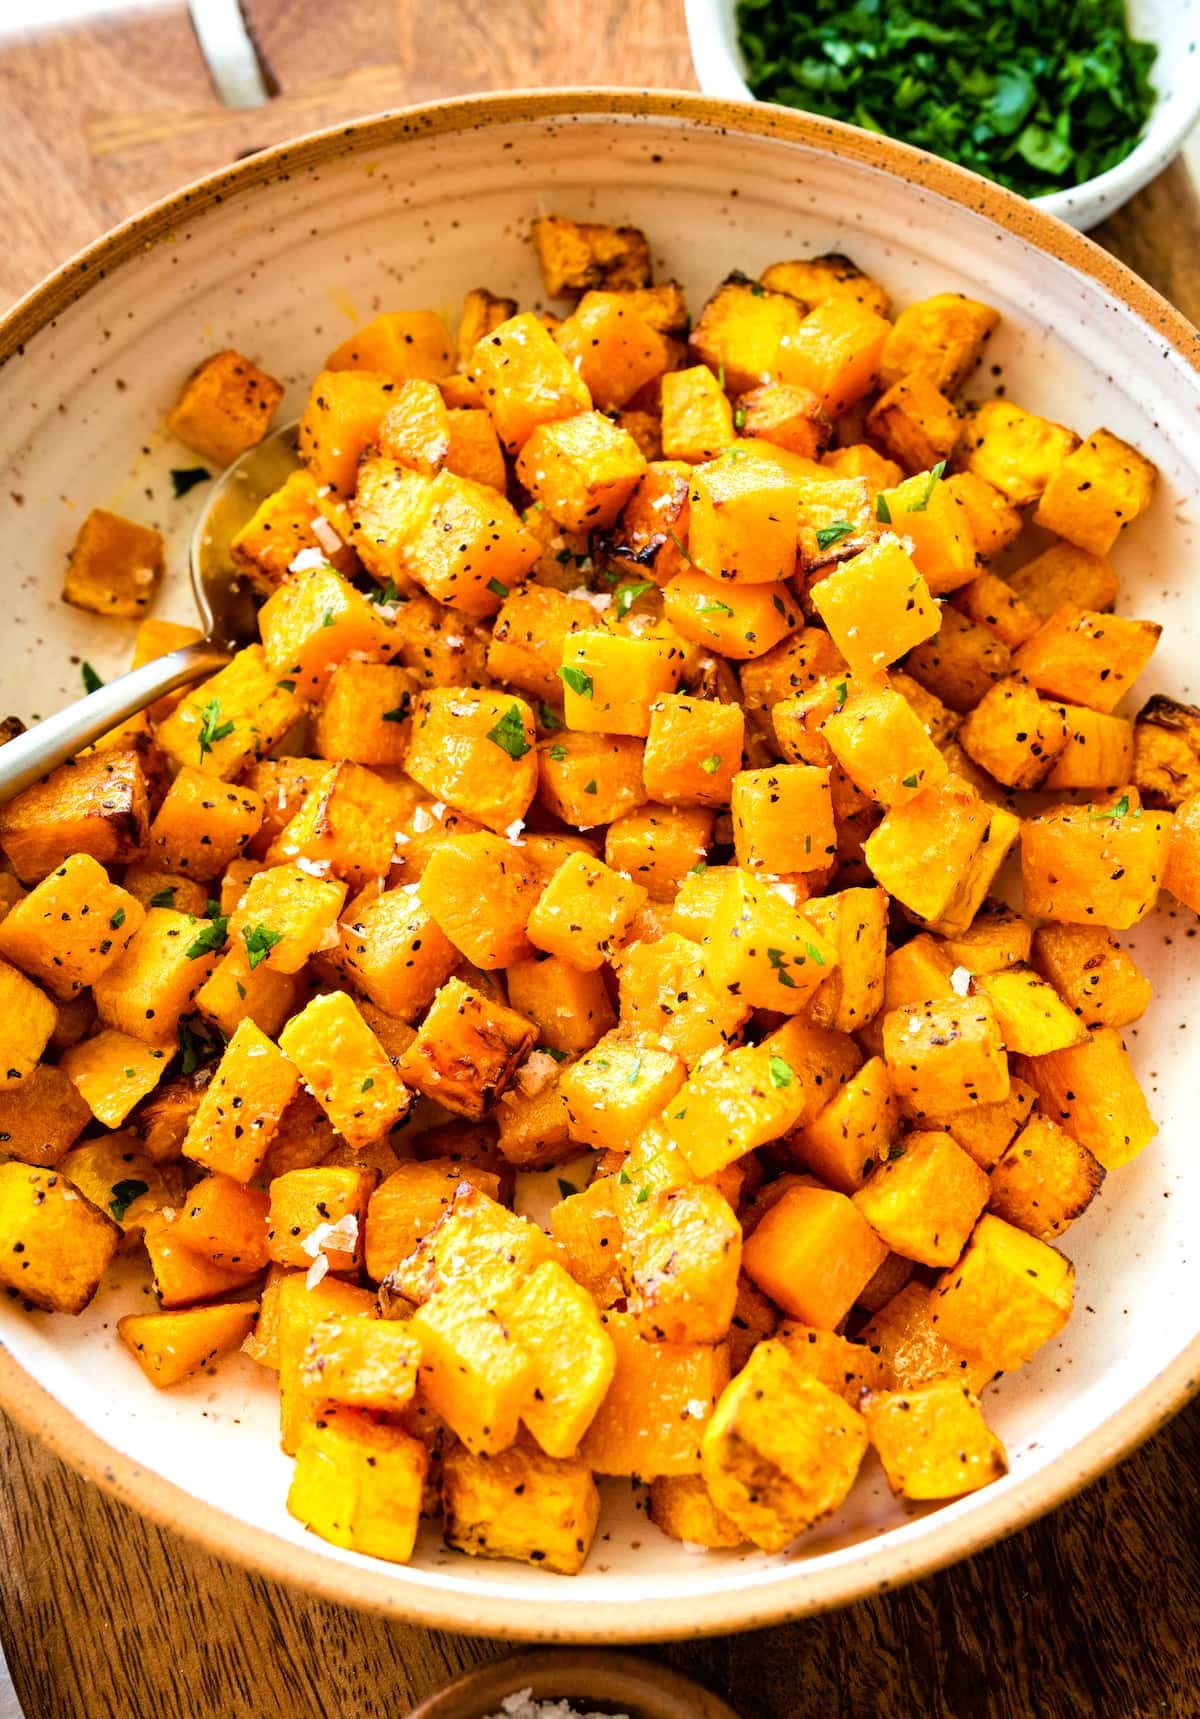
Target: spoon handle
(59, 737)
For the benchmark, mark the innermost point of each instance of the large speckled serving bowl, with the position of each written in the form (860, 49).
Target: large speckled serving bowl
(279, 256)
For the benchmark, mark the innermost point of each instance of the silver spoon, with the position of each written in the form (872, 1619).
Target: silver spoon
(226, 614)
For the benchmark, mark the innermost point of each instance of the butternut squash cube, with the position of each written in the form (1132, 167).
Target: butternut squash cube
(1062, 574)
(475, 451)
(1013, 449)
(346, 1068)
(155, 979)
(226, 407)
(846, 1368)
(1182, 874)
(98, 804)
(697, 418)
(283, 526)
(416, 430)
(362, 1363)
(693, 750)
(481, 312)
(658, 846)
(583, 912)
(681, 1506)
(739, 621)
(398, 344)
(922, 510)
(860, 461)
(1099, 488)
(1086, 657)
(575, 256)
(666, 994)
(110, 1071)
(474, 1372)
(612, 347)
(181, 1277)
(520, 1504)
(299, 1310)
(855, 922)
(290, 901)
(1014, 735)
(781, 1450)
(115, 565)
(589, 779)
(812, 1253)
(203, 824)
(1033, 1018)
(69, 928)
(791, 668)
(1091, 1089)
(55, 1246)
(939, 338)
(652, 1420)
(475, 1245)
(319, 1211)
(992, 603)
(944, 1056)
(360, 1484)
(786, 416)
(814, 279)
(933, 1441)
(744, 520)
(924, 1197)
(618, 1087)
(586, 1227)
(876, 606)
(979, 876)
(469, 749)
(480, 891)
(997, 937)
(612, 682)
(242, 1105)
(342, 418)
(466, 1051)
(783, 819)
(1098, 980)
(883, 746)
(395, 953)
(921, 849)
(910, 1348)
(525, 380)
(684, 1254)
(314, 621)
(854, 1132)
(1089, 865)
(835, 351)
(225, 1221)
(1045, 1180)
(556, 1322)
(915, 423)
(464, 543)
(363, 713)
(408, 1203)
(1008, 1294)
(568, 1005)
(740, 332)
(42, 1117)
(169, 1347)
(526, 645)
(233, 719)
(762, 948)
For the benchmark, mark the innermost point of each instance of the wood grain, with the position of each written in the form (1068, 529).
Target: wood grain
(1092, 1611)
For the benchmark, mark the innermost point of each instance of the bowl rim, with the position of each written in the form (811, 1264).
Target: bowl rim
(1167, 125)
(946, 1536)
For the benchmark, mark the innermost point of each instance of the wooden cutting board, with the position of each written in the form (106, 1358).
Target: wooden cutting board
(1092, 1611)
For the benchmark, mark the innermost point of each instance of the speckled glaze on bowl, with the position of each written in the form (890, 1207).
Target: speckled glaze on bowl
(278, 256)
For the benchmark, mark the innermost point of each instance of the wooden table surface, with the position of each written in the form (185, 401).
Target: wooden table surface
(1092, 1611)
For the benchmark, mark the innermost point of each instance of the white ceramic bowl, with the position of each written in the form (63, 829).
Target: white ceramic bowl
(1173, 24)
(278, 256)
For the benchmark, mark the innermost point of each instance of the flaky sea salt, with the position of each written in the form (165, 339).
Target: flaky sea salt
(960, 981)
(523, 1706)
(308, 558)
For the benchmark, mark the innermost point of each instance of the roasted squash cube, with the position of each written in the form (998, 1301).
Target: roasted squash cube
(526, 646)
(466, 1050)
(226, 407)
(362, 1363)
(618, 1087)
(883, 746)
(416, 430)
(924, 1197)
(1032, 1016)
(346, 827)
(911, 1350)
(993, 520)
(854, 1132)
(697, 418)
(115, 565)
(847, 1368)
(169, 1347)
(1095, 864)
(785, 415)
(1045, 1180)
(203, 824)
(812, 1253)
(111, 1071)
(342, 418)
(408, 1203)
(312, 622)
(586, 1227)
(242, 1105)
(652, 1420)
(943, 1056)
(286, 913)
(922, 848)
(520, 1504)
(233, 719)
(1008, 1294)
(584, 911)
(1064, 574)
(814, 279)
(474, 1372)
(982, 869)
(589, 779)
(933, 1441)
(525, 380)
(225, 1221)
(738, 621)
(658, 846)
(462, 541)
(693, 750)
(915, 423)
(284, 526)
(684, 1254)
(1014, 450)
(861, 461)
(360, 1484)
(961, 662)
(762, 948)
(567, 1004)
(346, 1068)
(1182, 875)
(556, 1322)
(395, 953)
(577, 256)
(55, 1246)
(681, 1506)
(1098, 980)
(1166, 752)
(72, 926)
(742, 331)
(939, 338)
(783, 819)
(468, 748)
(480, 891)
(782, 1449)
(398, 344)
(42, 1117)
(319, 1212)
(1086, 657)
(922, 511)
(1100, 487)
(481, 312)
(613, 348)
(475, 452)
(363, 715)
(1014, 734)
(744, 520)
(666, 994)
(835, 351)
(476, 1245)
(298, 1311)
(791, 668)
(997, 937)
(612, 682)
(1091, 1089)
(155, 978)
(98, 804)
(876, 606)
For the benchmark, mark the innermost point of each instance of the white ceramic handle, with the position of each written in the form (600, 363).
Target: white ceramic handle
(59, 737)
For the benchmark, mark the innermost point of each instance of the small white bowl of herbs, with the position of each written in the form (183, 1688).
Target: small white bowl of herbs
(1074, 103)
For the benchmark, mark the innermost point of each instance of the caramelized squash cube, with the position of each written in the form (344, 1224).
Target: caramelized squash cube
(55, 1245)
(42, 1117)
(658, 846)
(1099, 488)
(933, 1441)
(242, 1106)
(226, 407)
(480, 891)
(98, 804)
(169, 1347)
(1086, 657)
(791, 668)
(314, 621)
(693, 750)
(525, 380)
(944, 1056)
(876, 606)
(415, 432)
(1091, 1089)
(360, 1484)
(361, 1363)
(398, 344)
(786, 416)
(618, 1087)
(666, 994)
(738, 621)
(69, 928)
(680, 1504)
(1182, 874)
(577, 256)
(346, 1068)
(203, 824)
(319, 1211)
(556, 1322)
(924, 1198)
(155, 979)
(1008, 1294)
(520, 1504)
(589, 779)
(813, 1252)
(742, 332)
(1014, 735)
(291, 901)
(744, 520)
(653, 1418)
(466, 1051)
(341, 420)
(783, 819)
(363, 714)
(408, 1203)
(939, 338)
(1033, 1018)
(883, 746)
(1045, 1180)
(396, 953)
(584, 911)
(469, 749)
(110, 1071)
(1064, 574)
(762, 948)
(526, 646)
(1015, 450)
(283, 527)
(463, 542)
(994, 522)
(233, 719)
(922, 848)
(613, 348)
(960, 664)
(997, 937)
(697, 418)
(854, 1132)
(915, 423)
(474, 1372)
(1095, 865)
(814, 279)
(225, 1221)
(299, 1310)
(115, 565)
(1098, 980)
(835, 351)
(612, 682)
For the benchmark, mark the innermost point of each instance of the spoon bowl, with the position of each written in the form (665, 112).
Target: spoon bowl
(227, 614)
